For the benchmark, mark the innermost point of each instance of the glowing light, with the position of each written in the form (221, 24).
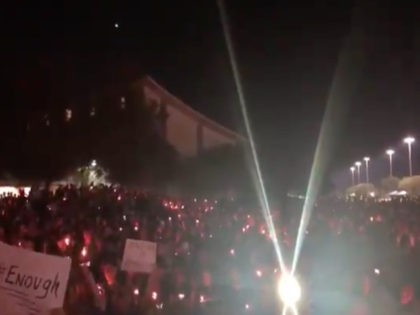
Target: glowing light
(84, 252)
(202, 299)
(154, 296)
(258, 273)
(120, 229)
(232, 252)
(136, 292)
(67, 241)
(390, 152)
(409, 140)
(247, 306)
(289, 290)
(93, 163)
(377, 271)
(181, 296)
(116, 25)
(136, 228)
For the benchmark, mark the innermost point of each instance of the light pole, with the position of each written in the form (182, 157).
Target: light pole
(352, 169)
(409, 141)
(390, 152)
(367, 159)
(358, 164)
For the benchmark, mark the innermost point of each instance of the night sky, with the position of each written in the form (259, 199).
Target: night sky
(287, 54)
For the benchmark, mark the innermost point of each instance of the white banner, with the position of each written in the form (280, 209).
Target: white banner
(139, 256)
(31, 283)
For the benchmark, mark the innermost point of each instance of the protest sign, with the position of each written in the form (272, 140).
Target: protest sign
(139, 256)
(31, 283)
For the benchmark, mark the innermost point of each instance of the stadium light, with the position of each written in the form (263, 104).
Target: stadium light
(352, 169)
(390, 153)
(367, 159)
(409, 141)
(358, 164)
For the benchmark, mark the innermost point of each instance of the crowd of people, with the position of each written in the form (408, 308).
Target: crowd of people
(359, 256)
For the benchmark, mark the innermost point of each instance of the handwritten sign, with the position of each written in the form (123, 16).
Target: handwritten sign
(139, 256)
(31, 283)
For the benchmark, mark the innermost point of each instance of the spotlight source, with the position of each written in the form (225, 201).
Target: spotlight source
(289, 290)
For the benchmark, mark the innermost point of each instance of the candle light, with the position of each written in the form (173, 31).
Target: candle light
(154, 296)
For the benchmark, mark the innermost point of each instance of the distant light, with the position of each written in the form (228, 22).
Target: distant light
(116, 25)
(154, 296)
(358, 163)
(68, 114)
(136, 292)
(390, 152)
(84, 252)
(366, 159)
(372, 194)
(232, 252)
(352, 168)
(181, 296)
(409, 140)
(289, 290)
(247, 306)
(136, 228)
(377, 271)
(93, 163)
(258, 273)
(202, 299)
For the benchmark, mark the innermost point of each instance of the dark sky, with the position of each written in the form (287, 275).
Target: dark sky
(287, 54)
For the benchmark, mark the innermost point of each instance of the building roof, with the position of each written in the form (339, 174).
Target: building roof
(188, 110)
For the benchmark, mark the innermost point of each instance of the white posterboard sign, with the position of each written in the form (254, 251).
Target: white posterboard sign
(31, 283)
(139, 256)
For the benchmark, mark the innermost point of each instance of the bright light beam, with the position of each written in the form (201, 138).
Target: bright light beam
(346, 77)
(259, 182)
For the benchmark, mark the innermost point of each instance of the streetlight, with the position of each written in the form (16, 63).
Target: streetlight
(409, 141)
(367, 159)
(358, 164)
(352, 169)
(93, 163)
(390, 152)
